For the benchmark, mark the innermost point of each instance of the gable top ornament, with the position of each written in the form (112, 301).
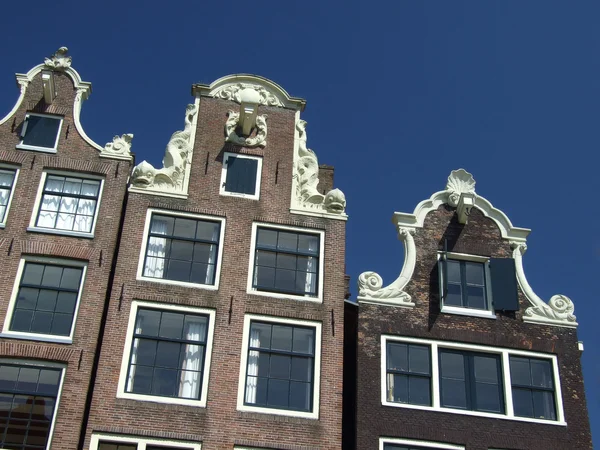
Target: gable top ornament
(559, 311)
(59, 60)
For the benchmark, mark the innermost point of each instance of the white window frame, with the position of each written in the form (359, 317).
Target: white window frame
(141, 442)
(140, 271)
(251, 290)
(504, 354)
(135, 305)
(437, 445)
(488, 313)
(40, 193)
(248, 318)
(256, 195)
(22, 146)
(7, 333)
(16, 170)
(48, 364)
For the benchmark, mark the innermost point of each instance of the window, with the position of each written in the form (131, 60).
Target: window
(280, 366)
(470, 379)
(286, 262)
(476, 285)
(182, 249)
(40, 132)
(119, 442)
(28, 399)
(410, 444)
(408, 373)
(45, 300)
(7, 183)
(241, 175)
(167, 354)
(532, 388)
(67, 204)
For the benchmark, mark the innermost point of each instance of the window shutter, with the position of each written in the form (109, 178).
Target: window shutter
(503, 278)
(241, 175)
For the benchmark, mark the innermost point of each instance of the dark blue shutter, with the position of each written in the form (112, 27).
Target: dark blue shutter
(241, 175)
(504, 284)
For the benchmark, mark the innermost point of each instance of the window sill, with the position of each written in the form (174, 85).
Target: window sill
(61, 232)
(2, 225)
(162, 400)
(486, 314)
(235, 194)
(474, 413)
(36, 337)
(285, 296)
(35, 149)
(209, 287)
(279, 412)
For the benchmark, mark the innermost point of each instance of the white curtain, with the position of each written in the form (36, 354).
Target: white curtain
(133, 358)
(86, 208)
(50, 203)
(311, 267)
(252, 373)
(68, 205)
(6, 180)
(156, 251)
(210, 270)
(189, 386)
(390, 387)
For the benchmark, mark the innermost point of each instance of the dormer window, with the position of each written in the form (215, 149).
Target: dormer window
(477, 285)
(241, 175)
(40, 133)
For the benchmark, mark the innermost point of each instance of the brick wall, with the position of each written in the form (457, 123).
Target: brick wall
(480, 236)
(219, 425)
(77, 156)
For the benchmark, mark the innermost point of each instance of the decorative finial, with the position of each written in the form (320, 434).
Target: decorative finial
(460, 181)
(59, 60)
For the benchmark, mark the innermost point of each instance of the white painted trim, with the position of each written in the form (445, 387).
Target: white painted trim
(16, 170)
(140, 270)
(141, 442)
(135, 305)
(53, 149)
(413, 442)
(6, 332)
(222, 190)
(504, 353)
(38, 199)
(314, 414)
(44, 364)
(320, 233)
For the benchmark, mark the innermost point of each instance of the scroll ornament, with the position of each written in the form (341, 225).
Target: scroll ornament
(259, 140)
(120, 146)
(177, 156)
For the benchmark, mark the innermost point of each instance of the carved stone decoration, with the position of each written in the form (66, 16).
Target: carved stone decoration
(232, 92)
(120, 146)
(460, 181)
(259, 140)
(59, 60)
(306, 178)
(370, 284)
(170, 178)
(559, 311)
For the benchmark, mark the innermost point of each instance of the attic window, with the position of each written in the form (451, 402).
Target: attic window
(241, 175)
(40, 132)
(477, 285)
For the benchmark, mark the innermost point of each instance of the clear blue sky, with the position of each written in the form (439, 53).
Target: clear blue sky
(399, 93)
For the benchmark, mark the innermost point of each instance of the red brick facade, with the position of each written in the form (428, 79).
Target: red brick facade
(77, 157)
(480, 236)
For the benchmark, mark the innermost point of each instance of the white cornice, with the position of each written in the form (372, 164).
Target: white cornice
(558, 312)
(229, 87)
(60, 62)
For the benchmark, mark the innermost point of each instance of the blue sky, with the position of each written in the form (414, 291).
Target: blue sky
(399, 93)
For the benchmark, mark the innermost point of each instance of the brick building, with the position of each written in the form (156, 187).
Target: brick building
(459, 353)
(225, 322)
(61, 196)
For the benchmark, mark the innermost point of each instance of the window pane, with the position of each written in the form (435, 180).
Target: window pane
(454, 394)
(282, 338)
(522, 402)
(474, 273)
(41, 131)
(8, 377)
(185, 228)
(287, 241)
(182, 250)
(308, 244)
(476, 297)
(400, 388)
(167, 355)
(171, 325)
(453, 270)
(280, 366)
(260, 335)
(285, 261)
(419, 359)
(300, 396)
(208, 231)
(541, 373)
(266, 238)
(453, 295)
(162, 225)
(304, 340)
(486, 368)
(278, 393)
(452, 365)
(398, 357)
(70, 278)
(488, 397)
(33, 273)
(301, 369)
(543, 405)
(519, 371)
(148, 321)
(419, 389)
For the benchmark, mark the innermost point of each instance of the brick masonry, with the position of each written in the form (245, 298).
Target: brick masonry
(220, 425)
(77, 156)
(480, 236)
